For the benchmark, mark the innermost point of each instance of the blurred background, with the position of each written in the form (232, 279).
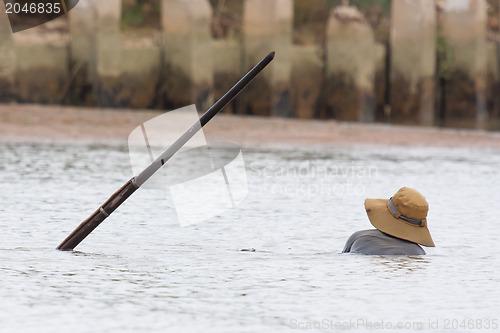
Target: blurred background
(418, 62)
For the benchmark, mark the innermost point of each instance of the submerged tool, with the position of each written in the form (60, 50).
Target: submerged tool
(119, 197)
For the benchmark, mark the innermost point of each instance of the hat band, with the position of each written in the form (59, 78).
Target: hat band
(398, 215)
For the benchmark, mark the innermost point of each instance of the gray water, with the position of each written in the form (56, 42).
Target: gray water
(141, 272)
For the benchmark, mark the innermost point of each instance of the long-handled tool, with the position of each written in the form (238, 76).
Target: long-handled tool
(119, 197)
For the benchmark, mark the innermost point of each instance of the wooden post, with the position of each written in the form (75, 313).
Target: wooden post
(413, 61)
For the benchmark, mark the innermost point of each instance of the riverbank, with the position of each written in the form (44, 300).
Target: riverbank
(59, 124)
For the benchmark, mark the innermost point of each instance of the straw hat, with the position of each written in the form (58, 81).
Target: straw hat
(403, 216)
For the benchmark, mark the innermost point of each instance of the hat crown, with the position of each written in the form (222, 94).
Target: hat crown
(410, 203)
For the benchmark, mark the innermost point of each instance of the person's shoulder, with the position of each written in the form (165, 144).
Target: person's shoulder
(374, 241)
(368, 232)
(358, 234)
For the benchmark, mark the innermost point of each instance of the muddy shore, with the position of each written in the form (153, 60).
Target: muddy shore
(61, 124)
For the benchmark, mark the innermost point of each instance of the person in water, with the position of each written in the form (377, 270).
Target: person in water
(401, 224)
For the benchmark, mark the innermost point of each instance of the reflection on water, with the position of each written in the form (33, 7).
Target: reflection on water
(140, 272)
(400, 264)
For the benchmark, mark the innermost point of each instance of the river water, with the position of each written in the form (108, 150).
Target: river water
(141, 272)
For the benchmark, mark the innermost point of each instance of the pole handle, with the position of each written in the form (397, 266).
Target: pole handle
(87, 226)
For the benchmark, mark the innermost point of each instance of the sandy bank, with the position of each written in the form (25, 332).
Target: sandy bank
(36, 123)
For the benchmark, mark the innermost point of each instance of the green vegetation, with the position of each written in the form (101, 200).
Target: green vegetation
(140, 14)
(445, 66)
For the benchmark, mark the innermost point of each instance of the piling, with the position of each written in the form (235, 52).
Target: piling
(108, 51)
(350, 66)
(381, 86)
(140, 77)
(187, 53)
(267, 26)
(413, 61)
(463, 27)
(7, 58)
(493, 86)
(227, 69)
(307, 81)
(83, 53)
(41, 72)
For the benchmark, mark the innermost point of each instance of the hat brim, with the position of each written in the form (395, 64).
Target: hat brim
(383, 220)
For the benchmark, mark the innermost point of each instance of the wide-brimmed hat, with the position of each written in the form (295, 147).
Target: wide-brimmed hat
(403, 216)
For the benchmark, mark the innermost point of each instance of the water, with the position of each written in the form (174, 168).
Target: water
(141, 272)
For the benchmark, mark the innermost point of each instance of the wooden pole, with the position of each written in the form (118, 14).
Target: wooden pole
(119, 197)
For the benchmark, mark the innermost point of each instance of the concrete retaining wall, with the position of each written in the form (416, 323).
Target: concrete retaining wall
(349, 77)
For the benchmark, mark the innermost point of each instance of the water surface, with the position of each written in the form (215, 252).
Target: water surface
(141, 272)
